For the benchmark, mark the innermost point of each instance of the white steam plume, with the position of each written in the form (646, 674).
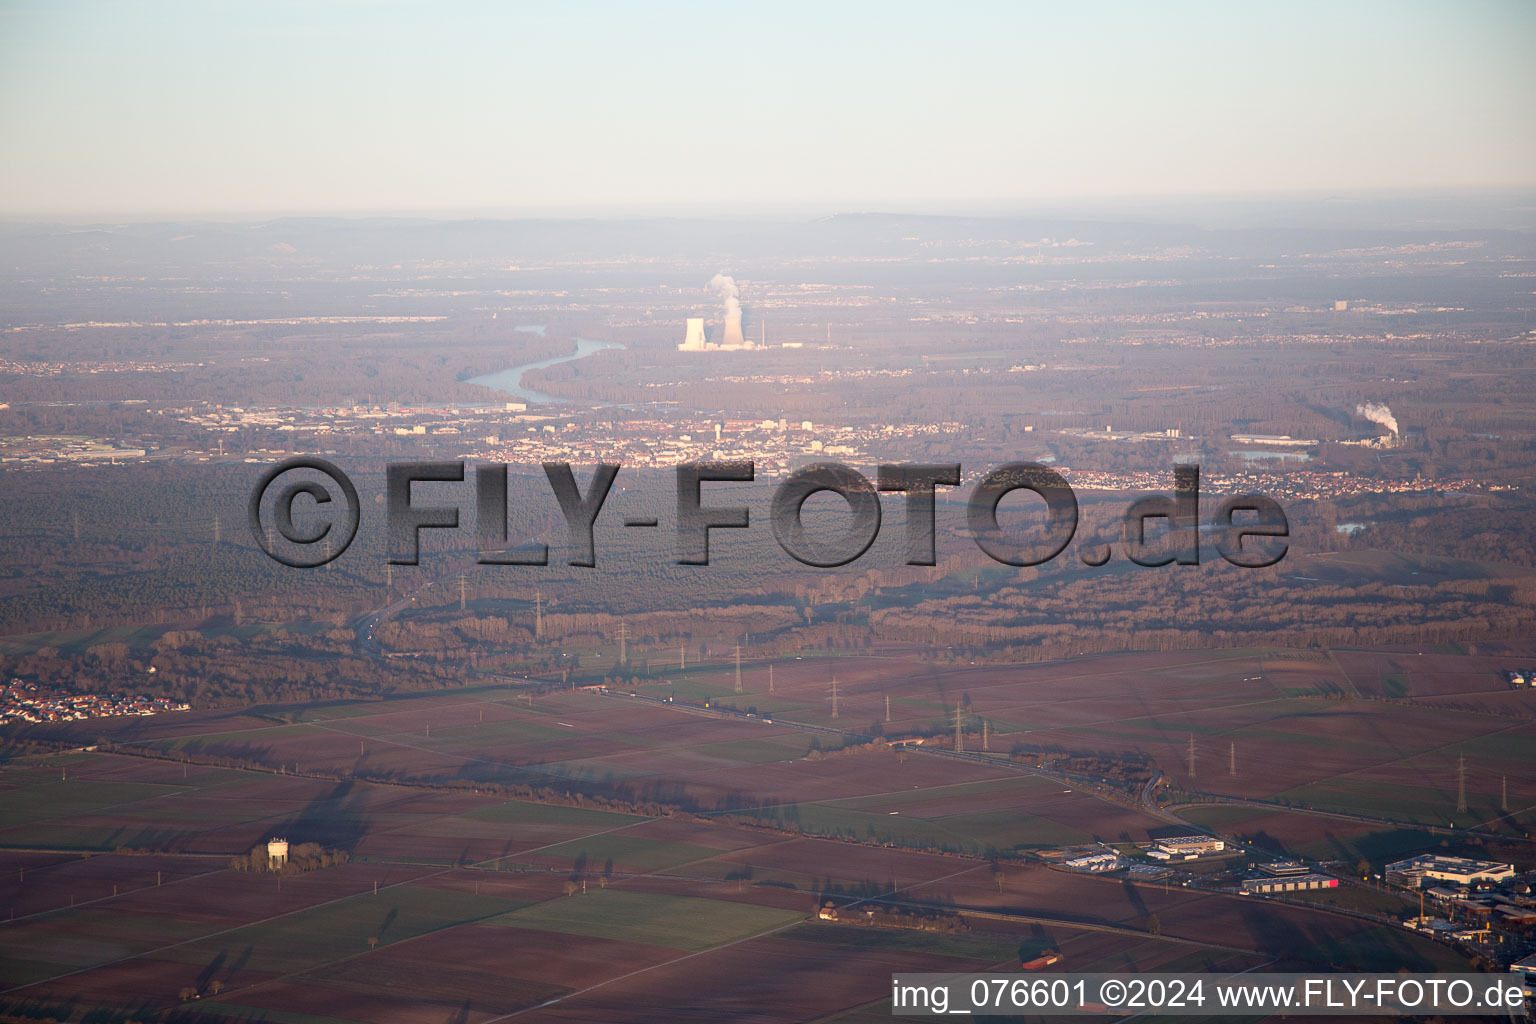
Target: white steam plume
(1377, 412)
(725, 287)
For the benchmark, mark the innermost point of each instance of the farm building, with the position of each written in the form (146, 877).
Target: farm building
(1288, 883)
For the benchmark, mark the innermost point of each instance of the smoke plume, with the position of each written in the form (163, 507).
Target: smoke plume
(1377, 412)
(725, 287)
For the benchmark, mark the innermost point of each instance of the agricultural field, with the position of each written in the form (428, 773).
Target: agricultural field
(1257, 725)
(561, 854)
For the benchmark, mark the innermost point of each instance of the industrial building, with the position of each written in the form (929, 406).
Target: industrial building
(1105, 860)
(1287, 883)
(1185, 847)
(1415, 870)
(1526, 969)
(1284, 867)
(729, 339)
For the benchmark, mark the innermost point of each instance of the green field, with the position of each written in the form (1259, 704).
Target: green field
(262, 1013)
(215, 740)
(757, 751)
(306, 939)
(1385, 948)
(1356, 897)
(678, 922)
(523, 812)
(629, 852)
(880, 818)
(976, 833)
(479, 736)
(44, 800)
(983, 947)
(98, 836)
(1395, 801)
(1376, 846)
(73, 938)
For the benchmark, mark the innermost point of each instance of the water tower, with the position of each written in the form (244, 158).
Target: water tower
(277, 852)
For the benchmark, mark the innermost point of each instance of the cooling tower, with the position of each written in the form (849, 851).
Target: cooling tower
(732, 337)
(694, 340)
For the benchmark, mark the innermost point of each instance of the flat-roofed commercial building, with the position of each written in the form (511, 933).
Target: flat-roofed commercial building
(1463, 871)
(1284, 867)
(1104, 861)
(1188, 847)
(1288, 883)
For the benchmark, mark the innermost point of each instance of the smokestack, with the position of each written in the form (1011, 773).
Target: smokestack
(1377, 412)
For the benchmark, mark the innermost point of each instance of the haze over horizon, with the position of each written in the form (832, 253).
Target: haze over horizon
(181, 110)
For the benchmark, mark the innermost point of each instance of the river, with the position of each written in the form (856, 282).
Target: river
(510, 381)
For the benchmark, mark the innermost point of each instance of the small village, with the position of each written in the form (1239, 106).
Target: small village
(26, 702)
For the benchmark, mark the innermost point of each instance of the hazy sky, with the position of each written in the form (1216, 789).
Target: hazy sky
(222, 107)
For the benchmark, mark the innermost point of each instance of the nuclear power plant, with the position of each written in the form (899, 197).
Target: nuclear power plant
(729, 335)
(729, 338)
